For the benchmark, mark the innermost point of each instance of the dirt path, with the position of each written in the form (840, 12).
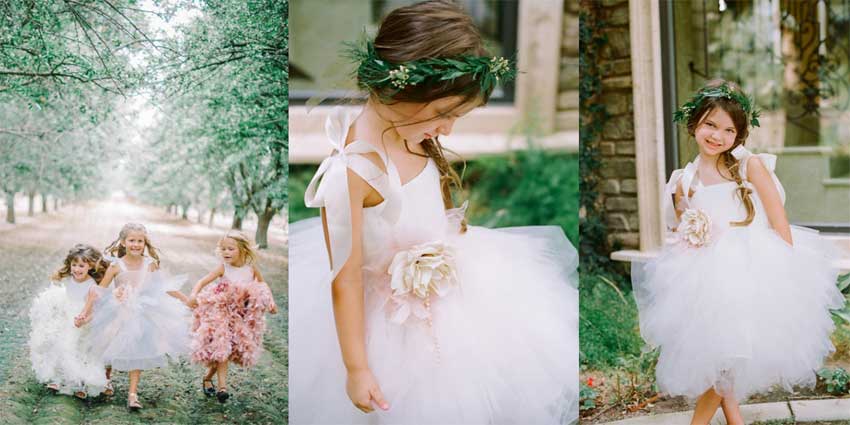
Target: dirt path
(30, 252)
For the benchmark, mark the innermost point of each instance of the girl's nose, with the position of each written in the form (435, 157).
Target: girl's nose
(446, 128)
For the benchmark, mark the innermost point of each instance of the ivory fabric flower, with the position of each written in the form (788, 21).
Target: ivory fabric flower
(695, 227)
(423, 269)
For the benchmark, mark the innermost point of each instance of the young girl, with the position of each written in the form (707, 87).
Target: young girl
(56, 347)
(137, 326)
(740, 302)
(435, 323)
(229, 315)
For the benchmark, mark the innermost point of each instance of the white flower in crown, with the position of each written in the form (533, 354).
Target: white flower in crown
(399, 77)
(498, 66)
(695, 227)
(423, 269)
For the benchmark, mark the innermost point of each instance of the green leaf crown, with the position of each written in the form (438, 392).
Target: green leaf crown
(722, 91)
(376, 74)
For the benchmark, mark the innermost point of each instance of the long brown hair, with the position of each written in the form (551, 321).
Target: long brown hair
(739, 118)
(117, 248)
(432, 29)
(87, 254)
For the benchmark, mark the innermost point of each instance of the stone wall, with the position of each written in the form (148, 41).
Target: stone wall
(617, 145)
(566, 115)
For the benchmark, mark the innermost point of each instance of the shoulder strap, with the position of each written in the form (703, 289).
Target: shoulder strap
(743, 156)
(329, 187)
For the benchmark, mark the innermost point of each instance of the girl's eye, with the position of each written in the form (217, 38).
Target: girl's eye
(729, 130)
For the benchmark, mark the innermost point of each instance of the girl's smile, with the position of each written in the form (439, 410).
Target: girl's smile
(230, 252)
(716, 134)
(135, 243)
(80, 269)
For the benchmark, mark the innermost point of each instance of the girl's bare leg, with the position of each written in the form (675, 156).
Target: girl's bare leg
(221, 370)
(707, 405)
(731, 411)
(132, 394)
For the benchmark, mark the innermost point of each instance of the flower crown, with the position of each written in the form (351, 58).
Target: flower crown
(722, 91)
(374, 73)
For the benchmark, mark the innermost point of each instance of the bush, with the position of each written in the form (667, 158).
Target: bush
(836, 380)
(608, 323)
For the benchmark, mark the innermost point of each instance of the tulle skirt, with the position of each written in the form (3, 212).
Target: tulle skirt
(57, 350)
(144, 328)
(229, 322)
(742, 314)
(501, 348)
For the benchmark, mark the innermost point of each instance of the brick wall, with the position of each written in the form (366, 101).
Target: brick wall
(617, 145)
(568, 77)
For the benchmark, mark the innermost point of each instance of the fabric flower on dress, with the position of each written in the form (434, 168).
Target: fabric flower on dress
(423, 269)
(695, 227)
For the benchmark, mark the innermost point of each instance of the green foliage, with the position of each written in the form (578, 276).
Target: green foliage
(843, 314)
(724, 91)
(587, 397)
(608, 321)
(634, 380)
(299, 177)
(836, 380)
(531, 187)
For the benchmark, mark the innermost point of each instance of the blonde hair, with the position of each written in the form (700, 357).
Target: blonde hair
(87, 254)
(243, 243)
(117, 248)
(739, 118)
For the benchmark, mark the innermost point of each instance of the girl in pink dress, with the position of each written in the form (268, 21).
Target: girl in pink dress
(229, 318)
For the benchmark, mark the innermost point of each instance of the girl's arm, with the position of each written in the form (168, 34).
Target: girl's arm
(347, 292)
(761, 179)
(85, 315)
(192, 301)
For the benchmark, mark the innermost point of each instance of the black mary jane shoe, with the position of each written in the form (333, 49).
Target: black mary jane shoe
(208, 391)
(222, 396)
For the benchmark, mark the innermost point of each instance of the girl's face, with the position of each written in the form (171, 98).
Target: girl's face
(429, 120)
(716, 133)
(135, 243)
(230, 251)
(80, 269)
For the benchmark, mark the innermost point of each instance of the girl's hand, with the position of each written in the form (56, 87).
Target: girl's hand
(363, 390)
(273, 309)
(192, 302)
(81, 320)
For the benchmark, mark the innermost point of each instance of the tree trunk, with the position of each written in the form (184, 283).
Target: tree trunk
(200, 216)
(31, 204)
(10, 207)
(263, 221)
(43, 203)
(185, 212)
(212, 217)
(55, 203)
(237, 222)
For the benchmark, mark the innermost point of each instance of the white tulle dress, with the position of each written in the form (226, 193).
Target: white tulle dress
(136, 324)
(745, 310)
(57, 348)
(492, 340)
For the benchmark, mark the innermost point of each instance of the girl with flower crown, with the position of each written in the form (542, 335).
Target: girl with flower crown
(740, 301)
(396, 307)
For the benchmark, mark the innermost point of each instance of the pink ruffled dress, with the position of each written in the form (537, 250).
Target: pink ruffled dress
(229, 321)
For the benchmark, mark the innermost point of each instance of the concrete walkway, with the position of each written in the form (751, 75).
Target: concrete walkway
(803, 410)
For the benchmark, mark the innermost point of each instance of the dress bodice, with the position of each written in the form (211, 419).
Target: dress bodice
(131, 277)
(77, 291)
(422, 219)
(721, 201)
(410, 213)
(238, 274)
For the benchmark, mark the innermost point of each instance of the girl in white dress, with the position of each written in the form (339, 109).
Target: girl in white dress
(138, 325)
(57, 348)
(396, 307)
(740, 302)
